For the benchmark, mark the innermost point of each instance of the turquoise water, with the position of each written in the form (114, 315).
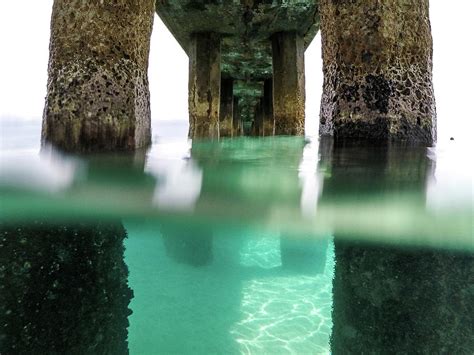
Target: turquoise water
(282, 245)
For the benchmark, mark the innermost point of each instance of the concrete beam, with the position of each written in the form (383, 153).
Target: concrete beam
(267, 106)
(236, 119)
(204, 85)
(97, 95)
(391, 299)
(288, 83)
(257, 127)
(226, 108)
(63, 288)
(377, 71)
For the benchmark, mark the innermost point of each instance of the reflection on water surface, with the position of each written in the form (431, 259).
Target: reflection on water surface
(275, 245)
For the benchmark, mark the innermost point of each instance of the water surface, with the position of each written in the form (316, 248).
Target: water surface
(272, 245)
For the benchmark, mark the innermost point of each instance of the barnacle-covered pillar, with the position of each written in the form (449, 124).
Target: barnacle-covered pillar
(377, 63)
(288, 83)
(63, 288)
(204, 85)
(392, 298)
(226, 107)
(97, 95)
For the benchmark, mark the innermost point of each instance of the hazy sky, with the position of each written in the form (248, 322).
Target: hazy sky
(24, 40)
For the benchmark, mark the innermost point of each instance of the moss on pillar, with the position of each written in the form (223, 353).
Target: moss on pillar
(204, 85)
(288, 83)
(377, 64)
(97, 96)
(226, 108)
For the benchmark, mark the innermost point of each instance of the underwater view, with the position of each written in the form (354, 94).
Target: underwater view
(277, 245)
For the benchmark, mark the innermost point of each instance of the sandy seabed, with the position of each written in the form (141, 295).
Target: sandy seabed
(243, 302)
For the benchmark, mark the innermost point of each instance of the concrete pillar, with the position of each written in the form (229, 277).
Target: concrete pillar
(377, 63)
(257, 127)
(204, 85)
(267, 106)
(97, 94)
(236, 120)
(188, 244)
(391, 299)
(288, 83)
(226, 108)
(63, 288)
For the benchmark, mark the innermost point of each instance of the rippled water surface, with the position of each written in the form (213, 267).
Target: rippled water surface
(278, 245)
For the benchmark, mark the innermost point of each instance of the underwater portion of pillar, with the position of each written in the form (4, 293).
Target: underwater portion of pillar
(226, 108)
(63, 288)
(288, 83)
(390, 300)
(402, 298)
(377, 64)
(204, 85)
(97, 93)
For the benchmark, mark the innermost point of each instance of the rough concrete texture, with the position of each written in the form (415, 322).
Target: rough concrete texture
(97, 95)
(377, 63)
(402, 301)
(204, 85)
(63, 288)
(288, 83)
(226, 108)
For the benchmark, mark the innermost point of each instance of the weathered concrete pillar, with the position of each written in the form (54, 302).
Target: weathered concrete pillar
(236, 119)
(204, 85)
(377, 59)
(63, 288)
(226, 108)
(97, 96)
(391, 299)
(267, 106)
(257, 127)
(288, 83)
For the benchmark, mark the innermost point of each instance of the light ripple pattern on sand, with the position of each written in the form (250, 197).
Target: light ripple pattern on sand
(289, 314)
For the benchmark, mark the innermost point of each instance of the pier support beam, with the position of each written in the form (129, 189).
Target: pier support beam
(257, 129)
(204, 85)
(288, 83)
(393, 298)
(236, 119)
(97, 94)
(377, 63)
(267, 107)
(226, 108)
(63, 288)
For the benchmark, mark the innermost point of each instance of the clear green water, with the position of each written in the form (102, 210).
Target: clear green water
(255, 246)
